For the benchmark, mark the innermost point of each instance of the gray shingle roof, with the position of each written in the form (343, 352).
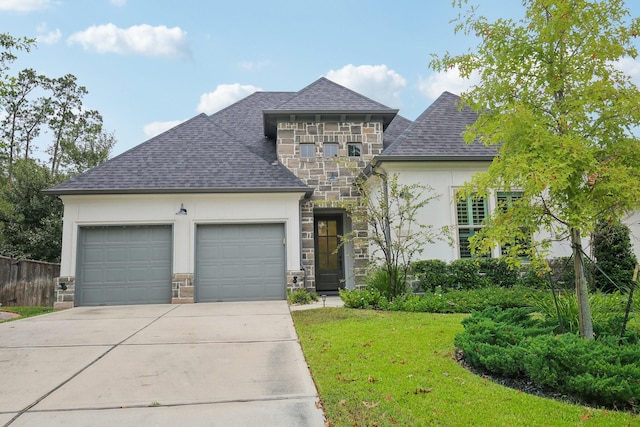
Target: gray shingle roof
(397, 126)
(325, 95)
(437, 134)
(329, 100)
(229, 152)
(195, 156)
(244, 121)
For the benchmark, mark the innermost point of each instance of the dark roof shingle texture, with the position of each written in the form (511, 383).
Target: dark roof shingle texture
(437, 133)
(325, 95)
(228, 151)
(196, 155)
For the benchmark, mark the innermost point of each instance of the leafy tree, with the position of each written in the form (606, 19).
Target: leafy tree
(32, 108)
(23, 116)
(561, 114)
(31, 222)
(388, 210)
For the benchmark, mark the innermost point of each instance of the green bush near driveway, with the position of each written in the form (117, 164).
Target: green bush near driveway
(515, 343)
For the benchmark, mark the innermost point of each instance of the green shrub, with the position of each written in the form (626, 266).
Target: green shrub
(301, 296)
(363, 298)
(465, 274)
(441, 301)
(614, 255)
(515, 343)
(431, 274)
(494, 339)
(531, 277)
(562, 273)
(607, 311)
(497, 272)
(378, 278)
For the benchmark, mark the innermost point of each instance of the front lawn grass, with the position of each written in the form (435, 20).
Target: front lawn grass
(26, 311)
(376, 368)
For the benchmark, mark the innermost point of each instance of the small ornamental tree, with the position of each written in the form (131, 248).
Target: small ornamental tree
(389, 211)
(552, 97)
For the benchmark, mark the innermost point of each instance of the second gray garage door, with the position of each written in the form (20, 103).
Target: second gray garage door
(240, 262)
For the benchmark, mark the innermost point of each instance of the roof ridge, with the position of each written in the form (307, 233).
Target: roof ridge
(325, 80)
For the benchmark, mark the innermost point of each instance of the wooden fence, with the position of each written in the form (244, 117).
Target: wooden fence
(27, 283)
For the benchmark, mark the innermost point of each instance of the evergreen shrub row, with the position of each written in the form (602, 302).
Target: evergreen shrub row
(471, 273)
(515, 343)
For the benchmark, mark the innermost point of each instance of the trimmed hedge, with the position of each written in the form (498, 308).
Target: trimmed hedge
(442, 302)
(513, 343)
(471, 273)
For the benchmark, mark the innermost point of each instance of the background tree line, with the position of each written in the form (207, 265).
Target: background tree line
(46, 136)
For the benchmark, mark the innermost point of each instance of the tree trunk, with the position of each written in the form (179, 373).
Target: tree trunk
(387, 238)
(582, 292)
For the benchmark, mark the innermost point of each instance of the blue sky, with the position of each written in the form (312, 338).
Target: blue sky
(149, 64)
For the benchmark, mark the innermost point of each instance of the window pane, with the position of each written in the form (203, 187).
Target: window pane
(333, 228)
(463, 242)
(307, 150)
(478, 210)
(463, 212)
(330, 150)
(322, 228)
(354, 150)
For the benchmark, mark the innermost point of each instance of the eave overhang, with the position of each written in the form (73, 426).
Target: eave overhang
(94, 191)
(272, 117)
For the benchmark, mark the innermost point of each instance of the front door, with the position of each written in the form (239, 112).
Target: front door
(329, 259)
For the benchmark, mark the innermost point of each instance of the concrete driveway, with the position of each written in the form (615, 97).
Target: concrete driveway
(217, 364)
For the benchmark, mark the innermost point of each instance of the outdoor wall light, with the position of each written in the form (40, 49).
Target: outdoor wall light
(182, 211)
(63, 286)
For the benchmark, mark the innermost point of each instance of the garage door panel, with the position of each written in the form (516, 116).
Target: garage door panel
(124, 265)
(240, 262)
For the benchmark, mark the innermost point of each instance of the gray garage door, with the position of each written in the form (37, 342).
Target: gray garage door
(240, 262)
(124, 265)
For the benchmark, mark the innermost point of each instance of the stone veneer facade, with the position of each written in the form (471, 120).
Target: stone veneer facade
(330, 177)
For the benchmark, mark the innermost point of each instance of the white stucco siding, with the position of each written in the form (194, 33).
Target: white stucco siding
(96, 210)
(443, 178)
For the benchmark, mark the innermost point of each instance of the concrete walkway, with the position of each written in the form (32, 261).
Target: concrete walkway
(330, 301)
(218, 364)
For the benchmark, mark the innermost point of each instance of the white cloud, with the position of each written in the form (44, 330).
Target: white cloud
(375, 81)
(138, 39)
(118, 3)
(48, 37)
(25, 5)
(223, 96)
(630, 67)
(435, 84)
(156, 128)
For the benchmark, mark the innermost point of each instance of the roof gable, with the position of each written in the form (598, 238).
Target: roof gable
(437, 134)
(325, 95)
(195, 156)
(327, 101)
